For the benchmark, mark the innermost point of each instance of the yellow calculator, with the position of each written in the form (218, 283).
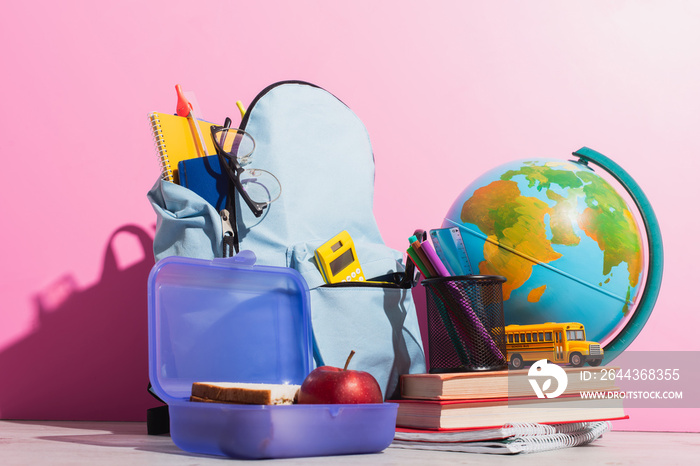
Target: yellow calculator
(337, 260)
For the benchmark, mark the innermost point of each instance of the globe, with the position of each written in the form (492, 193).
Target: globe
(563, 237)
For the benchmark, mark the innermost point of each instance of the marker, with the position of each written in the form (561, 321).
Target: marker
(415, 244)
(419, 263)
(434, 259)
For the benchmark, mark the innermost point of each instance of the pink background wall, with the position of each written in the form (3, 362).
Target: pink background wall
(446, 92)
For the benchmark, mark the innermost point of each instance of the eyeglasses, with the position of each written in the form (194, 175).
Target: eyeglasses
(235, 148)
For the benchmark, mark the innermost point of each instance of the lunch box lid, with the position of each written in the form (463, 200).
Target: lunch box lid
(226, 320)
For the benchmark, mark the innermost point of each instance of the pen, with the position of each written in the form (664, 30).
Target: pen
(184, 109)
(241, 108)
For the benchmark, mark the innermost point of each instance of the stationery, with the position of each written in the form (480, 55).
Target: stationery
(204, 176)
(475, 435)
(417, 261)
(185, 109)
(416, 245)
(449, 246)
(434, 259)
(508, 440)
(449, 296)
(175, 141)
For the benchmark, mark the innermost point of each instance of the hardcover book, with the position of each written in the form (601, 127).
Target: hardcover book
(497, 384)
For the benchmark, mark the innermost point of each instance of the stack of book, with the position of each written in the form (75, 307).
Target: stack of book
(459, 411)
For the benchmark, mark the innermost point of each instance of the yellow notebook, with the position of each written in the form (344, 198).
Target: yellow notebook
(176, 139)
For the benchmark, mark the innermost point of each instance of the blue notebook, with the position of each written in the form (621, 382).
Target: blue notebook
(203, 176)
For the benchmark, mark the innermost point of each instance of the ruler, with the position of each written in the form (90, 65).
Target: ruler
(450, 248)
(441, 253)
(461, 250)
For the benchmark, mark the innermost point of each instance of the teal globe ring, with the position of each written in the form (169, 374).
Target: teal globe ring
(652, 283)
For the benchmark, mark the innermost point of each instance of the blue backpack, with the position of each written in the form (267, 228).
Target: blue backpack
(320, 152)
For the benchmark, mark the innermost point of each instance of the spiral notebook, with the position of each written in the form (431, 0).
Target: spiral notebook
(474, 435)
(176, 140)
(516, 438)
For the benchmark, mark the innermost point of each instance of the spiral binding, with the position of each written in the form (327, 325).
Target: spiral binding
(165, 168)
(570, 427)
(528, 429)
(533, 444)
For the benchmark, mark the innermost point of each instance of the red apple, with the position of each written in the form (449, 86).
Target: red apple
(332, 385)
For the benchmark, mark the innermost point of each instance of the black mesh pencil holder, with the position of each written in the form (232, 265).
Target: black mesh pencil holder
(466, 327)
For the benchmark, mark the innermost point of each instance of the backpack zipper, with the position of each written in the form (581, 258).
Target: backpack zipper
(261, 94)
(390, 280)
(227, 233)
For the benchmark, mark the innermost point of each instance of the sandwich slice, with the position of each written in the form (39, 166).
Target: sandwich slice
(244, 393)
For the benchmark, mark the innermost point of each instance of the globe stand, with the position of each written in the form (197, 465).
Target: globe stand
(652, 284)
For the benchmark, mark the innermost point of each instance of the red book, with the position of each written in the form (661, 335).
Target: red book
(497, 412)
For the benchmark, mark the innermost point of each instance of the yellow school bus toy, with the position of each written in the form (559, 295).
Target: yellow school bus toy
(557, 342)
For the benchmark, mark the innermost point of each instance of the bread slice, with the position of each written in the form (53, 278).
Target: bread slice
(244, 393)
